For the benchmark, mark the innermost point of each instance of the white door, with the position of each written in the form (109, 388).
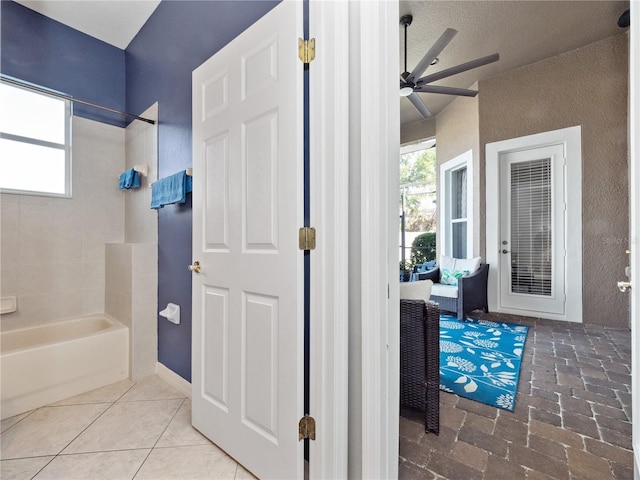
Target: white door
(247, 371)
(532, 230)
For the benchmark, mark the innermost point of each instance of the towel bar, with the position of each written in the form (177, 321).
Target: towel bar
(189, 173)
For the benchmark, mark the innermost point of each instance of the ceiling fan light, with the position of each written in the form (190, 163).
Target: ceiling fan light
(406, 91)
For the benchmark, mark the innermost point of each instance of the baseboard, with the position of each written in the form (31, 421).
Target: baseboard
(173, 379)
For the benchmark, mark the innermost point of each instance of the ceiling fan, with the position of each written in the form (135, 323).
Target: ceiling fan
(411, 83)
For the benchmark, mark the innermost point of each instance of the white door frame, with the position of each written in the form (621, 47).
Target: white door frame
(634, 234)
(329, 276)
(571, 139)
(374, 125)
(354, 40)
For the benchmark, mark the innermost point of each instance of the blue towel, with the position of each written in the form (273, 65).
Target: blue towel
(171, 189)
(129, 179)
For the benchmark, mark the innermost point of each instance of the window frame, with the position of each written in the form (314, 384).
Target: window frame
(66, 146)
(464, 160)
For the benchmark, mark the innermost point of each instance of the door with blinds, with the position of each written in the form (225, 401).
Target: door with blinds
(532, 230)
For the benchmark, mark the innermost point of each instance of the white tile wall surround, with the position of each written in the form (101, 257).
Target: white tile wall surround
(131, 295)
(141, 222)
(52, 249)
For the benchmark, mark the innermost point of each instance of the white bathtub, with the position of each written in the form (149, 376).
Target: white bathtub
(45, 364)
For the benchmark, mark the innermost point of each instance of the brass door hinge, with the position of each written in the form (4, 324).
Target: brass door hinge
(307, 50)
(307, 238)
(307, 428)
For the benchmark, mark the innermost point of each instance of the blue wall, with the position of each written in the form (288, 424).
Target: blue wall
(179, 36)
(45, 52)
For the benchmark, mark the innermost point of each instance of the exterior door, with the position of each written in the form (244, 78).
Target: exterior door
(247, 207)
(532, 230)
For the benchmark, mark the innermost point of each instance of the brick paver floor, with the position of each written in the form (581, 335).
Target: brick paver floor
(572, 418)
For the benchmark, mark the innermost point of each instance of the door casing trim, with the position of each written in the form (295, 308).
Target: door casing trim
(571, 139)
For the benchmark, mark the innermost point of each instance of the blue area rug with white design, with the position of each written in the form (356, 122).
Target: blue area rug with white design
(480, 359)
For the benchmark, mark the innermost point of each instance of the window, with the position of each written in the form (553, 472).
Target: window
(456, 206)
(417, 203)
(35, 143)
(458, 189)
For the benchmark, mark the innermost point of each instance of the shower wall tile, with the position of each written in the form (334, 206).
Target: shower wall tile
(36, 220)
(144, 332)
(93, 299)
(9, 219)
(141, 222)
(33, 281)
(68, 304)
(68, 277)
(52, 250)
(9, 251)
(9, 278)
(131, 297)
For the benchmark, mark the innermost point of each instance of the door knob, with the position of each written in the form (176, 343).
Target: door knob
(624, 286)
(195, 268)
(505, 251)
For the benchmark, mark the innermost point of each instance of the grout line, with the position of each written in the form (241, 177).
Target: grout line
(85, 429)
(158, 439)
(28, 414)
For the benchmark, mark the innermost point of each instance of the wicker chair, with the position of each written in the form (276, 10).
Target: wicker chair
(472, 292)
(420, 360)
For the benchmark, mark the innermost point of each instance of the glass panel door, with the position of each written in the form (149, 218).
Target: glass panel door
(531, 227)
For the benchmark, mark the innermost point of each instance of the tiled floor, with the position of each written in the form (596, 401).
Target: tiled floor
(572, 418)
(572, 421)
(122, 431)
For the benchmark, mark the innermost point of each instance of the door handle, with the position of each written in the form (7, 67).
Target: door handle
(505, 251)
(624, 286)
(195, 268)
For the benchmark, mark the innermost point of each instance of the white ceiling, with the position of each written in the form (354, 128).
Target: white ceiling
(112, 21)
(521, 31)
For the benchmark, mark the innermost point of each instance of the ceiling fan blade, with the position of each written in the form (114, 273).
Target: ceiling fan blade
(431, 55)
(479, 62)
(446, 90)
(419, 104)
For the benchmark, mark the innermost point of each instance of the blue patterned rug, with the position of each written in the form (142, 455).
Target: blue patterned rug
(480, 359)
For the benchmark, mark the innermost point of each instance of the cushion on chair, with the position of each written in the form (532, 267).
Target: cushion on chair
(420, 290)
(451, 269)
(440, 290)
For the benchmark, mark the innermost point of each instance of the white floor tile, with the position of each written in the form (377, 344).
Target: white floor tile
(11, 421)
(126, 425)
(244, 474)
(48, 430)
(121, 465)
(206, 462)
(107, 394)
(180, 433)
(22, 468)
(151, 388)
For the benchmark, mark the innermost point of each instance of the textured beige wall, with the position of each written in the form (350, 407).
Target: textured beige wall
(457, 132)
(417, 131)
(586, 87)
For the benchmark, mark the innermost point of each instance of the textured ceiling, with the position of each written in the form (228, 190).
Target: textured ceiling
(522, 32)
(113, 21)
